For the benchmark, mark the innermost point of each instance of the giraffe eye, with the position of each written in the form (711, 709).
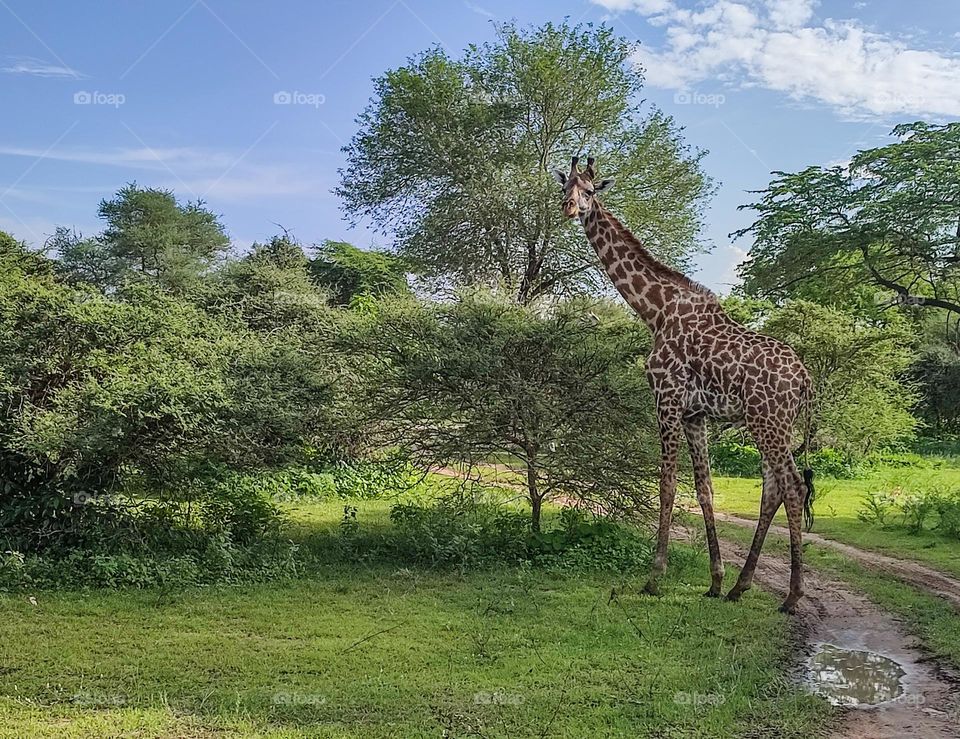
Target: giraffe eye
(588, 192)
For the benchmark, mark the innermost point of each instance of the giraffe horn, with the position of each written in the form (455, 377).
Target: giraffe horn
(590, 172)
(573, 166)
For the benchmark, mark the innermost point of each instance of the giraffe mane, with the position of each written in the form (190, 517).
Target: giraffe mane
(665, 271)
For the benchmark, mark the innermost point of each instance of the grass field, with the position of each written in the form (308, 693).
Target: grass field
(380, 651)
(838, 502)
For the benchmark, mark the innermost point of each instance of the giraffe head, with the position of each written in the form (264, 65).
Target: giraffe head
(579, 189)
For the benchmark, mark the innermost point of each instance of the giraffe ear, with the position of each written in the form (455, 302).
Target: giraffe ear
(561, 177)
(604, 185)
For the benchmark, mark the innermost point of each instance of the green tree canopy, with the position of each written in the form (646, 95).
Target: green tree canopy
(564, 394)
(271, 287)
(347, 272)
(453, 158)
(861, 402)
(890, 219)
(149, 235)
(100, 392)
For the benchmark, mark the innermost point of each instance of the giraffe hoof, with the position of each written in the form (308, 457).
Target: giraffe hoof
(788, 607)
(712, 593)
(651, 588)
(733, 596)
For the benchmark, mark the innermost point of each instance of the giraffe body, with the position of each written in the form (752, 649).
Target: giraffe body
(704, 366)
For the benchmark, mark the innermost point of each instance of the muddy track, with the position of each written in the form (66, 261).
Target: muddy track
(833, 613)
(912, 573)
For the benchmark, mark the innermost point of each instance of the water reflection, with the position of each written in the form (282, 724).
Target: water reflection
(848, 677)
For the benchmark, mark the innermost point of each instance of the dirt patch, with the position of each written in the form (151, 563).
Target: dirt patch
(832, 613)
(912, 573)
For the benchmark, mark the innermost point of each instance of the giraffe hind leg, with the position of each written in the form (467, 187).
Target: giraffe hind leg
(696, 432)
(769, 504)
(793, 502)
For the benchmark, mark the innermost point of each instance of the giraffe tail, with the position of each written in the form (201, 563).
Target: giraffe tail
(808, 471)
(808, 498)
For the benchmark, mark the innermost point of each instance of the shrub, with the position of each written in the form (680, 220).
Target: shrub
(948, 511)
(876, 507)
(218, 561)
(582, 543)
(916, 509)
(827, 462)
(459, 533)
(221, 531)
(99, 394)
(466, 533)
(730, 457)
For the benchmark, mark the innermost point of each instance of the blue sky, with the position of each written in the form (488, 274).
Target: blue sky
(181, 94)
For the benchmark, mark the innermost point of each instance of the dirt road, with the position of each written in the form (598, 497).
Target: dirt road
(833, 613)
(912, 573)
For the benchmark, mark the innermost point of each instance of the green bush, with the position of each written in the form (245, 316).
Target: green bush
(728, 456)
(731, 458)
(459, 533)
(916, 510)
(584, 543)
(948, 512)
(219, 561)
(827, 462)
(467, 533)
(223, 531)
(877, 506)
(140, 390)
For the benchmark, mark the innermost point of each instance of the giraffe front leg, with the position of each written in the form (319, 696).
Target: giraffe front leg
(669, 444)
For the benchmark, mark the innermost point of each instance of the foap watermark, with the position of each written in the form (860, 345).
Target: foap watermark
(497, 698)
(84, 97)
(82, 497)
(97, 700)
(682, 698)
(295, 97)
(694, 97)
(899, 299)
(285, 698)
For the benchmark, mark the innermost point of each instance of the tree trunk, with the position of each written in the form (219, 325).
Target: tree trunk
(536, 499)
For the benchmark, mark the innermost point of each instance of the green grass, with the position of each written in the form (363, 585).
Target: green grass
(838, 502)
(935, 622)
(385, 651)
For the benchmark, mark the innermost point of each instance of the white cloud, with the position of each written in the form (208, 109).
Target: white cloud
(39, 68)
(190, 171)
(646, 7)
(728, 258)
(478, 9)
(140, 158)
(780, 45)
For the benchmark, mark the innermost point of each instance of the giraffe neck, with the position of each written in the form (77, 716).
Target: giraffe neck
(650, 287)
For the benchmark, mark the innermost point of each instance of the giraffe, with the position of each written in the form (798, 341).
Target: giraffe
(704, 365)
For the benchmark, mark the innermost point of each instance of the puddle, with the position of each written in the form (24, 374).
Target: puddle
(851, 677)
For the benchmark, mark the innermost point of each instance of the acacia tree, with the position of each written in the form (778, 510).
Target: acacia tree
(563, 394)
(149, 236)
(862, 404)
(890, 219)
(347, 272)
(453, 158)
